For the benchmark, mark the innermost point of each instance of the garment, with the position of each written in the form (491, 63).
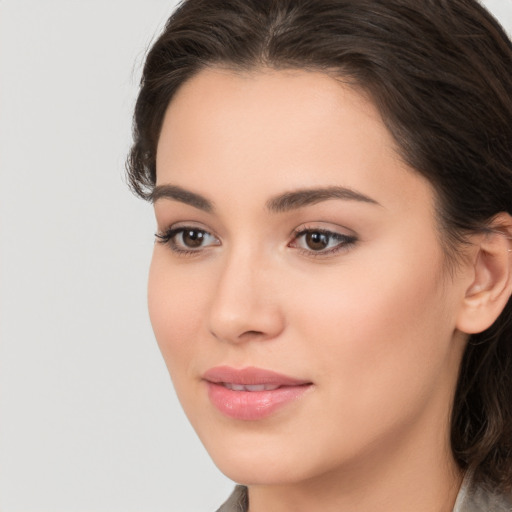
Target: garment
(473, 498)
(237, 502)
(470, 499)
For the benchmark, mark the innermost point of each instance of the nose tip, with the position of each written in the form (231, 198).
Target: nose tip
(243, 309)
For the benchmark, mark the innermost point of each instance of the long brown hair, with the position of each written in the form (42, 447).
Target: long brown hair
(440, 72)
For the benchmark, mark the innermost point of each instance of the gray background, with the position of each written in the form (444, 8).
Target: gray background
(88, 419)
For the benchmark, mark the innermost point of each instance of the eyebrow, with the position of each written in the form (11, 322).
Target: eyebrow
(304, 197)
(281, 203)
(182, 195)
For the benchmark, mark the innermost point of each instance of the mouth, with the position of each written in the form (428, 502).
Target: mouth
(249, 387)
(251, 394)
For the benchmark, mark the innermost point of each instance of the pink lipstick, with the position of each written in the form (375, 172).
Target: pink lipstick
(251, 393)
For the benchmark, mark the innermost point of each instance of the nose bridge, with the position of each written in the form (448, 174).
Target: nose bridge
(243, 306)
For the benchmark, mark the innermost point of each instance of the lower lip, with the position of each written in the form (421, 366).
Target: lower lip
(252, 405)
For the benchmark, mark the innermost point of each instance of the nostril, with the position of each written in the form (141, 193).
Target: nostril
(252, 333)
(244, 336)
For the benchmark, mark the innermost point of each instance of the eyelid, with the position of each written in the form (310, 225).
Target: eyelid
(323, 227)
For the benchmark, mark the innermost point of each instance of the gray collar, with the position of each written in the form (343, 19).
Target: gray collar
(237, 502)
(475, 498)
(471, 498)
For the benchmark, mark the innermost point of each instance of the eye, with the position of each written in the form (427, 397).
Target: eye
(320, 241)
(187, 239)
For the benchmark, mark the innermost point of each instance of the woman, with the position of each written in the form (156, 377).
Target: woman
(331, 282)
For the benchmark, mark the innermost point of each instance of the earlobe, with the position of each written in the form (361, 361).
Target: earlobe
(491, 288)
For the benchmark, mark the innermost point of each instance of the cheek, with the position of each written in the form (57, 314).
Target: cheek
(381, 330)
(391, 293)
(175, 303)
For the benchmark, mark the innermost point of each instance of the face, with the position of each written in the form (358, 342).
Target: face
(298, 289)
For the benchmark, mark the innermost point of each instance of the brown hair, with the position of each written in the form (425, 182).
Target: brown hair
(440, 71)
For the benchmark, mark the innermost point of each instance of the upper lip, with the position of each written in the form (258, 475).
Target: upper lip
(250, 376)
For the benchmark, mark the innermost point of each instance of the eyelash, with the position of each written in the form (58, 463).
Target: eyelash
(344, 241)
(168, 238)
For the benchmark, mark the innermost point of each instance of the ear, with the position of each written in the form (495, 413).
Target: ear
(491, 285)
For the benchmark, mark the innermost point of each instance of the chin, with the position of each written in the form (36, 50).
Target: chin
(259, 472)
(256, 457)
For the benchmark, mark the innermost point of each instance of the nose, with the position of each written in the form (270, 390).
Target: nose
(244, 306)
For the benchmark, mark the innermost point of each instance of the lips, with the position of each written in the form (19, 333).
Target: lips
(251, 393)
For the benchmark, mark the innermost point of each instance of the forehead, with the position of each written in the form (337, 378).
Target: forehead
(285, 102)
(279, 129)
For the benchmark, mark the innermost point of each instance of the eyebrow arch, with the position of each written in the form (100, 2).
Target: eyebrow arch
(177, 193)
(304, 197)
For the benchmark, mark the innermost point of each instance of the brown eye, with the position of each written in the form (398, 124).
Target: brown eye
(187, 239)
(193, 238)
(316, 241)
(320, 242)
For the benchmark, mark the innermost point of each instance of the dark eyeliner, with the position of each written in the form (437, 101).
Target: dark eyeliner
(345, 241)
(167, 237)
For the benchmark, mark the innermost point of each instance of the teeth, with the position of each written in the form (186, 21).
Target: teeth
(256, 387)
(252, 387)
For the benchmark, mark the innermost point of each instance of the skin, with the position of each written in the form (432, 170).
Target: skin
(374, 326)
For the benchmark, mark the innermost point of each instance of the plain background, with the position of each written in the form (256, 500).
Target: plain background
(88, 418)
